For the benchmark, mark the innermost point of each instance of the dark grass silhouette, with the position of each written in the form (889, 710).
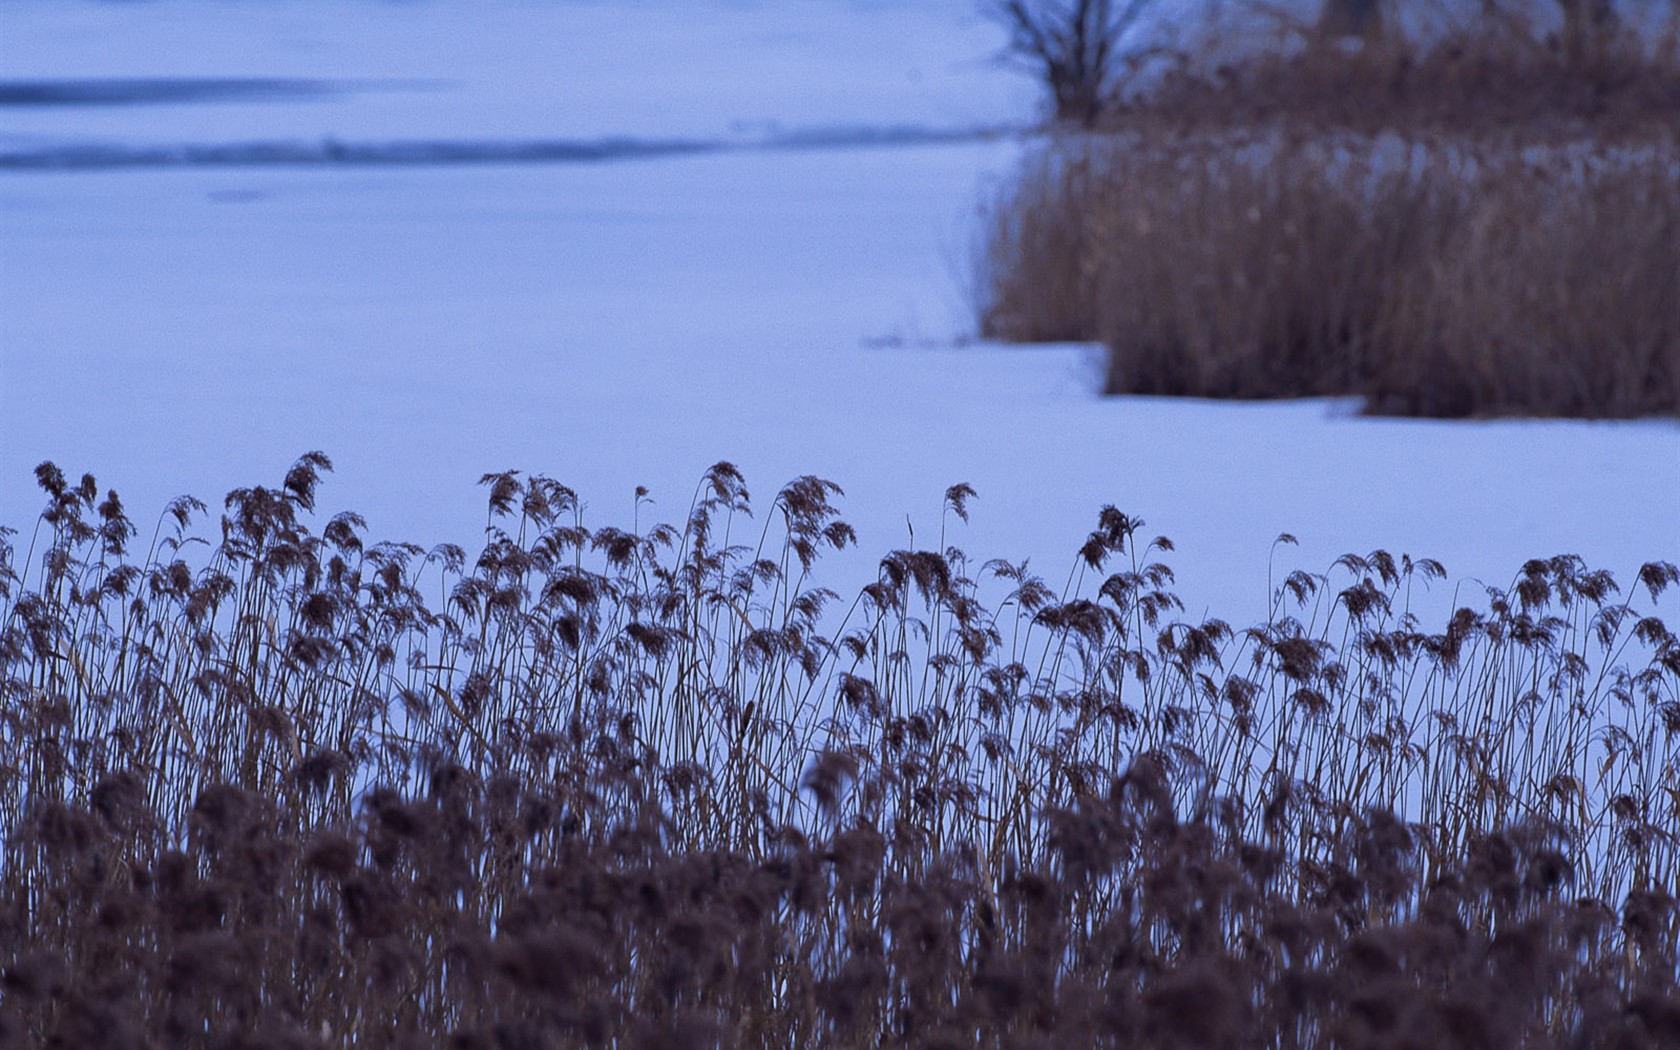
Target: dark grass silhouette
(280, 787)
(1486, 224)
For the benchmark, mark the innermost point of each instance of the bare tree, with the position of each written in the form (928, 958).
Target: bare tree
(1074, 45)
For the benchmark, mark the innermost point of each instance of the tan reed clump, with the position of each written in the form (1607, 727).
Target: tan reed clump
(1485, 225)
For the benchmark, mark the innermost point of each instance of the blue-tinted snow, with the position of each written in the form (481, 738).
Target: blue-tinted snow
(192, 329)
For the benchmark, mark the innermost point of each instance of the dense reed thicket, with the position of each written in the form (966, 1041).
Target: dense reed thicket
(278, 786)
(1486, 225)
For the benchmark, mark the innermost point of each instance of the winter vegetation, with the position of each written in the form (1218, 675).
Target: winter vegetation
(729, 771)
(1445, 219)
(604, 786)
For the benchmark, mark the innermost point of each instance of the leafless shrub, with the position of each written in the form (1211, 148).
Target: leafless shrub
(1074, 46)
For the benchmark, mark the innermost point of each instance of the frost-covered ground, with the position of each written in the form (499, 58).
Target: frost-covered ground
(190, 327)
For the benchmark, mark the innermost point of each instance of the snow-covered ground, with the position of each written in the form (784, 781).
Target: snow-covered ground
(501, 70)
(191, 328)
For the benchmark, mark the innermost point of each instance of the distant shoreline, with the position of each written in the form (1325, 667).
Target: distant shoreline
(407, 152)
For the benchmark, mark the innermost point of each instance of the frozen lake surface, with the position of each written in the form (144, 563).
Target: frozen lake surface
(304, 72)
(188, 328)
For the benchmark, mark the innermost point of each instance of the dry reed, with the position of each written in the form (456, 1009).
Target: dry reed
(1490, 226)
(658, 787)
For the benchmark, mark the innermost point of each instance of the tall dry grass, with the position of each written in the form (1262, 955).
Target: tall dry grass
(268, 786)
(1489, 226)
(1603, 69)
(1432, 277)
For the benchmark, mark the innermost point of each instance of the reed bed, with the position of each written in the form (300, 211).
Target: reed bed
(267, 785)
(1487, 226)
(1606, 68)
